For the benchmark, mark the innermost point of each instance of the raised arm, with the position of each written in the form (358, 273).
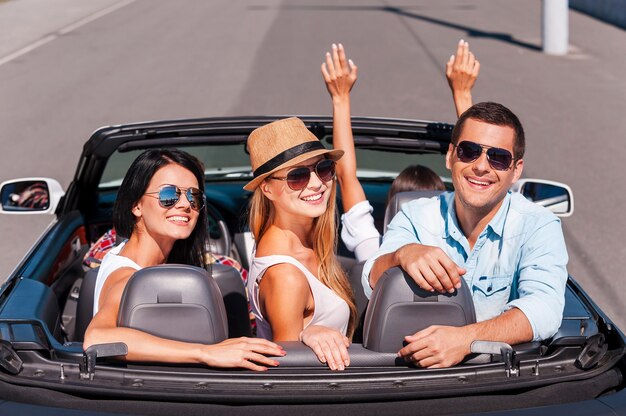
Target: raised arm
(240, 352)
(340, 74)
(462, 71)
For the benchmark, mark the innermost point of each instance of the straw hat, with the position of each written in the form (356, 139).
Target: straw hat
(281, 144)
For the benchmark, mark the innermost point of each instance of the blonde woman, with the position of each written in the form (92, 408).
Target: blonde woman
(297, 288)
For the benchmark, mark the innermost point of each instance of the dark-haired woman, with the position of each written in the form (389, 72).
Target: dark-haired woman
(160, 210)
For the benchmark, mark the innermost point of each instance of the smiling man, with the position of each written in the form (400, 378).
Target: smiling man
(509, 251)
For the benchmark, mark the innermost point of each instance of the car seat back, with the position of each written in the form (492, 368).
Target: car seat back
(399, 307)
(84, 307)
(235, 299)
(227, 278)
(174, 301)
(354, 276)
(401, 198)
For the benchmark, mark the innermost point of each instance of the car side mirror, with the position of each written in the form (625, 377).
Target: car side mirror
(30, 196)
(555, 196)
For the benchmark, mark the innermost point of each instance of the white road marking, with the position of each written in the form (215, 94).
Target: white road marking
(64, 31)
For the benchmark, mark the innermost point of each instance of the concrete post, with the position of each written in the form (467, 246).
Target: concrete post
(555, 27)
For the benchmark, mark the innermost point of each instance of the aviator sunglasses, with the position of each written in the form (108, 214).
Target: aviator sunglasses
(298, 178)
(498, 158)
(168, 196)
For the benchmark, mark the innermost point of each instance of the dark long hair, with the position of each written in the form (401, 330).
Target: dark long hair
(188, 251)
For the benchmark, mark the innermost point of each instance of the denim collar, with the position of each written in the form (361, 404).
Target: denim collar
(452, 228)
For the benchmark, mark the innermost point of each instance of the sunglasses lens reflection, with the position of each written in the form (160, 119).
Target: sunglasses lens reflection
(195, 198)
(170, 194)
(298, 178)
(325, 169)
(499, 159)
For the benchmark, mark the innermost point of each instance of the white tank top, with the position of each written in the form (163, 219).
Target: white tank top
(330, 310)
(110, 263)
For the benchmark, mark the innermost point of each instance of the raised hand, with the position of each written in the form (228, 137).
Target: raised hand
(462, 71)
(339, 73)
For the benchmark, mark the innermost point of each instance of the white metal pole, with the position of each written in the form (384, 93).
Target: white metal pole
(555, 27)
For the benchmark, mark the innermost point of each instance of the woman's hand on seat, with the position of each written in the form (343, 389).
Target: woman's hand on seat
(242, 352)
(330, 346)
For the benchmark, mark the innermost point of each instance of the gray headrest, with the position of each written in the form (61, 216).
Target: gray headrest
(84, 308)
(235, 300)
(401, 198)
(398, 307)
(174, 301)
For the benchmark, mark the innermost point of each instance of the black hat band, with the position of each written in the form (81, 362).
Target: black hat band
(287, 155)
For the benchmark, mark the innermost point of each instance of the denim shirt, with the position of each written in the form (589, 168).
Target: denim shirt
(517, 261)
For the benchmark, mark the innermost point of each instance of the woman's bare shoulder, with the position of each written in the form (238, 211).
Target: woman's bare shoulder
(114, 285)
(275, 242)
(285, 275)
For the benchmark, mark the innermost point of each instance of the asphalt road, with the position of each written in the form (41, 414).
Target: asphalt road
(68, 69)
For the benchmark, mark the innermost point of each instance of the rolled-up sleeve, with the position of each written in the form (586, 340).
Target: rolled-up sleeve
(400, 232)
(542, 279)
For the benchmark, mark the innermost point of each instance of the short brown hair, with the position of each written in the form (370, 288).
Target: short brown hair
(497, 114)
(415, 178)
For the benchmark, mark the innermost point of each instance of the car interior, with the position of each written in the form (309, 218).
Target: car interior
(48, 303)
(196, 305)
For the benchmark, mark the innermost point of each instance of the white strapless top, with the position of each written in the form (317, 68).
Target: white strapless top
(330, 310)
(110, 263)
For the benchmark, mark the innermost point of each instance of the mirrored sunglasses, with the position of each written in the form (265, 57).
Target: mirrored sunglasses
(169, 195)
(298, 178)
(498, 158)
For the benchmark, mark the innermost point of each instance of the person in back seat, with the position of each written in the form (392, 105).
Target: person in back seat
(160, 209)
(510, 251)
(340, 74)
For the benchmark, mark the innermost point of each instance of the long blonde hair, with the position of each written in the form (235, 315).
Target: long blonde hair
(329, 271)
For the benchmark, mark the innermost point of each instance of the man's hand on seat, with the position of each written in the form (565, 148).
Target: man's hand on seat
(437, 346)
(430, 267)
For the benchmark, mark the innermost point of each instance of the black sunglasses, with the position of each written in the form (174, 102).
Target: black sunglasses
(298, 178)
(498, 158)
(169, 195)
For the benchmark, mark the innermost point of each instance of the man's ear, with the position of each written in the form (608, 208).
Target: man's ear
(449, 156)
(517, 170)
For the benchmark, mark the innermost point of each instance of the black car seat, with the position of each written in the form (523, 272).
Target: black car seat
(356, 270)
(354, 276)
(401, 198)
(84, 308)
(235, 299)
(174, 301)
(360, 300)
(398, 307)
(227, 278)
